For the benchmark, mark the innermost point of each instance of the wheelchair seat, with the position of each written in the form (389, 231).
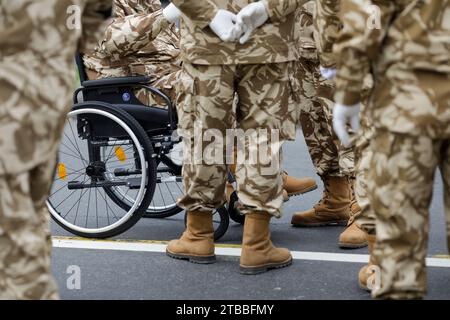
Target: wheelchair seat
(150, 118)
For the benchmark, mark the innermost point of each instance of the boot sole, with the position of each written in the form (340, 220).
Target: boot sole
(192, 259)
(320, 224)
(262, 269)
(352, 245)
(303, 191)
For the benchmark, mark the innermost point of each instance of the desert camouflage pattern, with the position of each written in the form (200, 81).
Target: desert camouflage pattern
(139, 41)
(315, 94)
(208, 100)
(273, 42)
(401, 200)
(409, 109)
(38, 41)
(326, 28)
(365, 218)
(25, 235)
(405, 51)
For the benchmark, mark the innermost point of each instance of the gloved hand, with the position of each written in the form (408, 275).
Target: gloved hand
(171, 13)
(328, 73)
(250, 18)
(224, 26)
(341, 116)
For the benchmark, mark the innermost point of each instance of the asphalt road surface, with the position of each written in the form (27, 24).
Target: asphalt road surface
(134, 266)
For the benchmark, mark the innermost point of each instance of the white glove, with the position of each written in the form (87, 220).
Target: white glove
(224, 24)
(250, 18)
(328, 73)
(171, 13)
(341, 116)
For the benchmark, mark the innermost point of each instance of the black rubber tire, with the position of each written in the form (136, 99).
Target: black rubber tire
(220, 231)
(162, 214)
(151, 172)
(233, 212)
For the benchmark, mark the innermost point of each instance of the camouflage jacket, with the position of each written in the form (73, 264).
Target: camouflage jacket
(38, 41)
(139, 41)
(326, 28)
(273, 42)
(394, 39)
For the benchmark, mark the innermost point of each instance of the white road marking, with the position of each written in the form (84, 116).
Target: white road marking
(221, 250)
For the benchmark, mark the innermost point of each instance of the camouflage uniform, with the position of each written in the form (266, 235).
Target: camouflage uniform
(260, 73)
(355, 158)
(409, 106)
(365, 219)
(330, 158)
(38, 40)
(139, 41)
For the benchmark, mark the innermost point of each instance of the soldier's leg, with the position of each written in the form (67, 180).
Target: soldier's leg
(24, 235)
(400, 188)
(315, 104)
(205, 113)
(40, 185)
(365, 220)
(445, 172)
(315, 120)
(264, 94)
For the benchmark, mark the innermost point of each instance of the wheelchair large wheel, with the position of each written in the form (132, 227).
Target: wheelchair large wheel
(233, 211)
(105, 155)
(169, 188)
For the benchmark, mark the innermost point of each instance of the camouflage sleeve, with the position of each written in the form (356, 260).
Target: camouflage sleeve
(200, 12)
(279, 9)
(358, 43)
(326, 28)
(128, 35)
(94, 22)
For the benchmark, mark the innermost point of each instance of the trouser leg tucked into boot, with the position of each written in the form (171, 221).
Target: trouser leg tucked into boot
(365, 272)
(258, 253)
(197, 242)
(332, 209)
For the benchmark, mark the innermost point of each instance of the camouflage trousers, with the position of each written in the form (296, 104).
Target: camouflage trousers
(208, 100)
(365, 219)
(25, 236)
(329, 156)
(400, 185)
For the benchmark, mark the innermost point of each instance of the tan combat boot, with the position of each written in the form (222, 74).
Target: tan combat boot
(197, 242)
(332, 209)
(258, 253)
(353, 236)
(297, 186)
(365, 272)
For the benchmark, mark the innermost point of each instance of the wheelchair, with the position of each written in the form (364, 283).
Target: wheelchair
(115, 163)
